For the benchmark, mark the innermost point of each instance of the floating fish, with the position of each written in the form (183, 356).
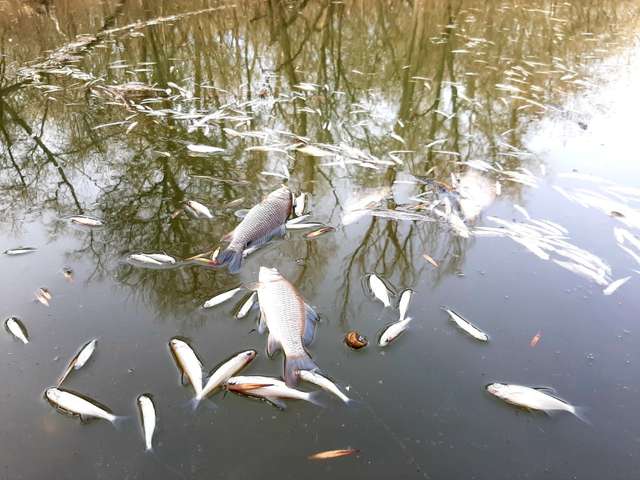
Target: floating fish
(246, 306)
(333, 454)
(188, 363)
(76, 404)
(86, 221)
(199, 209)
(80, 359)
(314, 151)
(162, 258)
(262, 222)
(615, 285)
(535, 339)
(324, 383)
(43, 296)
(68, 274)
(271, 389)
(393, 331)
(430, 260)
(148, 417)
(291, 322)
(379, 289)
(143, 259)
(467, 326)
(403, 303)
(224, 372)
(530, 398)
(20, 250)
(317, 233)
(355, 340)
(300, 204)
(304, 225)
(204, 149)
(221, 298)
(16, 328)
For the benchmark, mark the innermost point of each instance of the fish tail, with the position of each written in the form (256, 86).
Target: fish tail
(318, 399)
(579, 413)
(293, 365)
(118, 421)
(230, 257)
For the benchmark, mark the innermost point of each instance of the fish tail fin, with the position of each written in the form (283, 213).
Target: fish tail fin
(196, 402)
(230, 257)
(318, 399)
(119, 420)
(293, 365)
(579, 413)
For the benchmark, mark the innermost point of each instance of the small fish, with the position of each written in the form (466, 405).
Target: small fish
(530, 398)
(161, 257)
(355, 340)
(314, 151)
(205, 149)
(324, 383)
(403, 303)
(188, 363)
(247, 305)
(303, 225)
(79, 360)
(300, 204)
(199, 209)
(535, 339)
(147, 419)
(16, 328)
(317, 233)
(20, 250)
(68, 274)
(221, 298)
(333, 454)
(269, 388)
(379, 289)
(225, 371)
(430, 260)
(393, 331)
(467, 326)
(234, 203)
(76, 404)
(615, 285)
(86, 221)
(144, 259)
(43, 295)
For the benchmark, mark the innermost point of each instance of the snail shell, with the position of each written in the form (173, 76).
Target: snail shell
(355, 340)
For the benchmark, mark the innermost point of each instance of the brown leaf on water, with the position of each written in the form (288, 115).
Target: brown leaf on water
(328, 454)
(430, 260)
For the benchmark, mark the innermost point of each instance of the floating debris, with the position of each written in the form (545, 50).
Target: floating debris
(221, 298)
(319, 232)
(466, 326)
(430, 260)
(355, 340)
(329, 454)
(20, 251)
(16, 328)
(148, 417)
(535, 339)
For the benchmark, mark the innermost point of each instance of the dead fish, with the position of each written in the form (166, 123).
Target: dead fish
(379, 289)
(403, 303)
(80, 359)
(188, 363)
(199, 209)
(144, 259)
(317, 233)
(291, 322)
(20, 250)
(162, 258)
(314, 151)
(148, 418)
(75, 404)
(393, 331)
(204, 149)
(224, 372)
(234, 203)
(68, 274)
(247, 305)
(530, 398)
(615, 285)
(86, 221)
(467, 326)
(535, 339)
(325, 384)
(257, 228)
(355, 340)
(303, 226)
(16, 328)
(300, 204)
(271, 389)
(221, 298)
(430, 260)
(326, 455)
(43, 296)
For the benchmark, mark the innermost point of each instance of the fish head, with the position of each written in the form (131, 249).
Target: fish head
(176, 344)
(52, 394)
(269, 275)
(249, 355)
(497, 389)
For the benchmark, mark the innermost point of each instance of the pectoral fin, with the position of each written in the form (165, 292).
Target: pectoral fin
(262, 323)
(273, 345)
(310, 323)
(276, 402)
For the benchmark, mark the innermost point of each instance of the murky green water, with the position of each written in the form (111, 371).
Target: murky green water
(508, 105)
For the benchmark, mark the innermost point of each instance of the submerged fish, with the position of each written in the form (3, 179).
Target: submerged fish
(467, 326)
(221, 298)
(86, 221)
(257, 227)
(324, 383)
(291, 322)
(79, 360)
(199, 209)
(76, 404)
(379, 289)
(43, 295)
(20, 250)
(403, 303)
(393, 331)
(430, 260)
(317, 233)
(67, 273)
(225, 371)
(161, 257)
(271, 389)
(188, 363)
(531, 398)
(333, 454)
(16, 328)
(247, 305)
(147, 419)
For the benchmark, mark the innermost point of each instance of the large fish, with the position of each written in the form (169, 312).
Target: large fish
(261, 223)
(290, 321)
(531, 398)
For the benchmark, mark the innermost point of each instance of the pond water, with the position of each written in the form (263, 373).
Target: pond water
(497, 138)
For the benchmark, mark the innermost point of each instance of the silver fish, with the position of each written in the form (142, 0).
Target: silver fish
(16, 328)
(162, 258)
(324, 383)
(19, 250)
(75, 404)
(403, 303)
(291, 322)
(225, 371)
(79, 360)
(199, 209)
(269, 388)
(303, 225)
(86, 221)
(147, 419)
(466, 326)
(221, 298)
(144, 259)
(188, 363)
(393, 331)
(615, 285)
(531, 398)
(379, 289)
(257, 227)
(247, 305)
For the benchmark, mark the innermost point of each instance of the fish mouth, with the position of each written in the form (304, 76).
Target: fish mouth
(268, 274)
